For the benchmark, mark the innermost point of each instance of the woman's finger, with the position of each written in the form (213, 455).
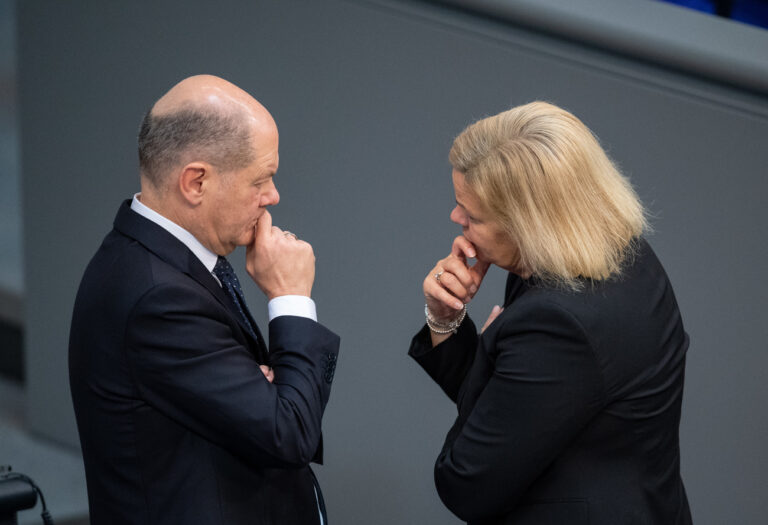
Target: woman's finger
(437, 292)
(494, 314)
(461, 272)
(454, 286)
(478, 271)
(463, 249)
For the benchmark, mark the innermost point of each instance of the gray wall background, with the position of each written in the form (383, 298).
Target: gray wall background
(368, 96)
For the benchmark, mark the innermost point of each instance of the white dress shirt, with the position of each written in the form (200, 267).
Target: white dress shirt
(298, 305)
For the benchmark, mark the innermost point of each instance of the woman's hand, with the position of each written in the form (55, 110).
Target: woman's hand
(495, 312)
(452, 283)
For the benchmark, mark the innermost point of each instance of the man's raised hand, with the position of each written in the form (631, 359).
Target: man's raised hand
(278, 262)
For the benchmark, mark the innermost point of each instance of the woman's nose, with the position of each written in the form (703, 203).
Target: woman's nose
(459, 217)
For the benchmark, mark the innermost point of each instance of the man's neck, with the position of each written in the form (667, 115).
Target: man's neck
(206, 255)
(177, 210)
(169, 211)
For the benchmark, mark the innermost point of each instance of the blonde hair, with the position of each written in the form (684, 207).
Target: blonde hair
(542, 175)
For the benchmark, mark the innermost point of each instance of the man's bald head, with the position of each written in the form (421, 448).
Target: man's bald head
(202, 118)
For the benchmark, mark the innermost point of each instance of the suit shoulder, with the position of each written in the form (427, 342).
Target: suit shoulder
(122, 270)
(629, 296)
(536, 317)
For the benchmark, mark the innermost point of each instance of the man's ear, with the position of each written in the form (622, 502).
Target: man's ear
(194, 179)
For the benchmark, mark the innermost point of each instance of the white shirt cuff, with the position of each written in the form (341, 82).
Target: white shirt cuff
(298, 305)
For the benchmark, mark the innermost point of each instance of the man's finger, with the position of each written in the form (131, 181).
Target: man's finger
(264, 224)
(268, 373)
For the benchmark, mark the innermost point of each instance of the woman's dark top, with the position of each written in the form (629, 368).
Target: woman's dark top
(569, 404)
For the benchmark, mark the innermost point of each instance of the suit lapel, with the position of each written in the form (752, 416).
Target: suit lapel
(174, 252)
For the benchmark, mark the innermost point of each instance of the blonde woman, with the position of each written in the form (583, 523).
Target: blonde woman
(569, 399)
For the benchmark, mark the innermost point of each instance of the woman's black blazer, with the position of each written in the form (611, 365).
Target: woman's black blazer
(569, 404)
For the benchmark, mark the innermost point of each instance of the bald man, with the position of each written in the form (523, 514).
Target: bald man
(186, 415)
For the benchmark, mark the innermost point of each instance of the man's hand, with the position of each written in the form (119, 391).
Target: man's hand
(279, 263)
(268, 372)
(457, 283)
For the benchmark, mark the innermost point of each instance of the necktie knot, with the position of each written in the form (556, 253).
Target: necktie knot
(226, 274)
(222, 266)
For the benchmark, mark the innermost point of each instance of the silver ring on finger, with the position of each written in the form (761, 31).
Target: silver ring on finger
(438, 274)
(290, 234)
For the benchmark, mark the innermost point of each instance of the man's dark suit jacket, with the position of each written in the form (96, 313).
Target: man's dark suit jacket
(177, 423)
(569, 405)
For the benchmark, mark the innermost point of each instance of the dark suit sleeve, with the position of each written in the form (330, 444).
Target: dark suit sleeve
(545, 386)
(187, 364)
(447, 363)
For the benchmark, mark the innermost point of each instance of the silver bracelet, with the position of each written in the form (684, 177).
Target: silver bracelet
(444, 328)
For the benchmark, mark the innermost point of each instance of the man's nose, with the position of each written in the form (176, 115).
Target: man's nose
(271, 196)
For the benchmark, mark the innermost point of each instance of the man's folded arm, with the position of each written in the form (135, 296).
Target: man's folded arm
(187, 364)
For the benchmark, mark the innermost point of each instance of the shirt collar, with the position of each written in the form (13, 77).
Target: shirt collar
(206, 256)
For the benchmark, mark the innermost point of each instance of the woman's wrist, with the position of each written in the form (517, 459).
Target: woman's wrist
(441, 326)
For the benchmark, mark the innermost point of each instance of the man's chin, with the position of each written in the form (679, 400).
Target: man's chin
(247, 238)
